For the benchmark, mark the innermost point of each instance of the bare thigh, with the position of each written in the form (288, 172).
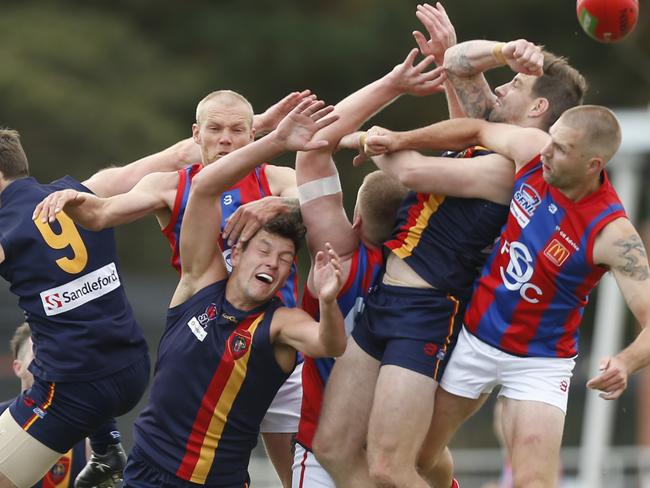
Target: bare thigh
(533, 433)
(449, 413)
(343, 424)
(403, 398)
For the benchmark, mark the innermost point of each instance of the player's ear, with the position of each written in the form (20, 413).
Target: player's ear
(195, 133)
(356, 222)
(539, 107)
(17, 366)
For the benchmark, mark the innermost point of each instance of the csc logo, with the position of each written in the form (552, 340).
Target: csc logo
(53, 301)
(519, 270)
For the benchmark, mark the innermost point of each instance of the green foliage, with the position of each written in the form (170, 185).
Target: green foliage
(92, 83)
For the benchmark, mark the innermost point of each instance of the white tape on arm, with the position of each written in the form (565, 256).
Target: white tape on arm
(319, 188)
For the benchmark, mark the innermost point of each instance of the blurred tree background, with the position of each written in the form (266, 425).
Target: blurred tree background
(92, 83)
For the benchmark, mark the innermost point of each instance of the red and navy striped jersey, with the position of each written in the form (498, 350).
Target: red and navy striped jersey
(68, 284)
(366, 264)
(252, 187)
(215, 377)
(63, 473)
(446, 240)
(531, 295)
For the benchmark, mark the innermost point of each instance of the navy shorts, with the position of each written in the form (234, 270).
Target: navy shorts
(414, 328)
(142, 473)
(60, 414)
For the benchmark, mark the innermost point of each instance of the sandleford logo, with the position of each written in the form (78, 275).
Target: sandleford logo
(82, 290)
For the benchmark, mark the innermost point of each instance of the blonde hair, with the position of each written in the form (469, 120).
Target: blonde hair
(22, 334)
(600, 127)
(378, 201)
(227, 97)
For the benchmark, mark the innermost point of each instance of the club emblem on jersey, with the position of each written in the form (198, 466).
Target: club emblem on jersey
(240, 341)
(524, 202)
(209, 314)
(556, 252)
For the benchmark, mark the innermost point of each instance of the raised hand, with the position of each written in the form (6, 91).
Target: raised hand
(56, 202)
(524, 57)
(441, 31)
(414, 80)
(328, 279)
(269, 120)
(296, 130)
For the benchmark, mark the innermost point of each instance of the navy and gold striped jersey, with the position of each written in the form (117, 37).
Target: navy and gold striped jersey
(446, 240)
(69, 286)
(215, 378)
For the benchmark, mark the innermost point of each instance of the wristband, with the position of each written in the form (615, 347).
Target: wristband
(498, 54)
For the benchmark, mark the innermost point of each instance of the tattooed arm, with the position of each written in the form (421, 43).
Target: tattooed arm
(619, 247)
(466, 62)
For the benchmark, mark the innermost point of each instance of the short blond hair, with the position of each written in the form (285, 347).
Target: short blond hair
(228, 97)
(378, 202)
(600, 127)
(22, 334)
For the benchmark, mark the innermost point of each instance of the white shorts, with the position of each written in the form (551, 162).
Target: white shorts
(476, 368)
(284, 413)
(307, 472)
(23, 459)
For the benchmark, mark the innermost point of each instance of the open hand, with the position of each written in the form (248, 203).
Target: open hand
(328, 279)
(414, 80)
(442, 34)
(297, 129)
(247, 219)
(273, 115)
(56, 202)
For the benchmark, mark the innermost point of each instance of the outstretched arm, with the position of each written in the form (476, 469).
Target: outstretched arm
(619, 247)
(324, 215)
(326, 338)
(201, 258)
(94, 213)
(516, 143)
(489, 177)
(466, 62)
(113, 181)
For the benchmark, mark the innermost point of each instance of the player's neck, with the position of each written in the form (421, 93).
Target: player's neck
(584, 189)
(4, 183)
(238, 299)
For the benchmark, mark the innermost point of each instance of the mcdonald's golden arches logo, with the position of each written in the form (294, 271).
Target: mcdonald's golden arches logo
(556, 252)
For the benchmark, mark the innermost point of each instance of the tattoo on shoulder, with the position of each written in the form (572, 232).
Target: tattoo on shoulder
(632, 252)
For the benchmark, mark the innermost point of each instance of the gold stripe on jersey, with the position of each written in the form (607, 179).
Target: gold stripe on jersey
(414, 235)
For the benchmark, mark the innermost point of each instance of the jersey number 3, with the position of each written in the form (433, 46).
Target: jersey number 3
(69, 236)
